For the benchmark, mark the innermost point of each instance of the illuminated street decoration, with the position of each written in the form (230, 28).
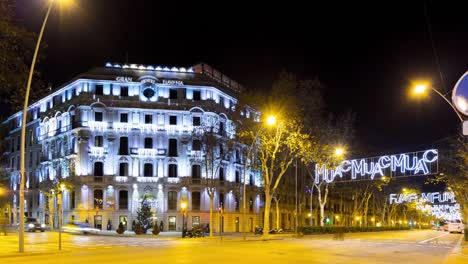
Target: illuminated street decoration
(441, 205)
(407, 164)
(433, 197)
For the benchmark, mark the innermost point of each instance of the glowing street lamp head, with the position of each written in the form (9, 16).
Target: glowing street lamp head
(183, 205)
(62, 187)
(420, 88)
(339, 152)
(271, 120)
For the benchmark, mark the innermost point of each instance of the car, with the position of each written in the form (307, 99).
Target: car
(79, 228)
(33, 225)
(456, 226)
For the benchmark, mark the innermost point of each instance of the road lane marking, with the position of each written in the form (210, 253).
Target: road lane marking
(430, 239)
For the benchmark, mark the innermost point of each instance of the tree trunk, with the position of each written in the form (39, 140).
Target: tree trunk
(266, 213)
(311, 206)
(211, 214)
(277, 213)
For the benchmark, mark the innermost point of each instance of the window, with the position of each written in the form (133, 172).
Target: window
(221, 200)
(196, 95)
(172, 147)
(124, 91)
(237, 176)
(238, 159)
(172, 120)
(124, 118)
(148, 119)
(98, 169)
(148, 143)
(123, 169)
(123, 147)
(172, 171)
(221, 174)
(251, 180)
(98, 141)
(172, 200)
(236, 203)
(72, 200)
(18, 143)
(148, 170)
(250, 205)
(196, 145)
(99, 89)
(31, 138)
(98, 201)
(98, 116)
(123, 200)
(195, 200)
(221, 128)
(172, 94)
(196, 121)
(221, 151)
(196, 173)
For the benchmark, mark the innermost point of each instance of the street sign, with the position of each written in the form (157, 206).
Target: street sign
(460, 94)
(465, 128)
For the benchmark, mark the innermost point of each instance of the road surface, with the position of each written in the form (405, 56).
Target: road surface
(380, 247)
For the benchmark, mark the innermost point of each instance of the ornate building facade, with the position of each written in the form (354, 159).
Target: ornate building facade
(122, 131)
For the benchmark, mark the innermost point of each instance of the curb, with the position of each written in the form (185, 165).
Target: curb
(27, 254)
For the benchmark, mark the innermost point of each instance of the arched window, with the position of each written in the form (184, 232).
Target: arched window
(172, 147)
(195, 200)
(172, 171)
(172, 200)
(98, 199)
(196, 173)
(221, 200)
(98, 169)
(251, 180)
(148, 170)
(237, 176)
(123, 169)
(123, 200)
(221, 174)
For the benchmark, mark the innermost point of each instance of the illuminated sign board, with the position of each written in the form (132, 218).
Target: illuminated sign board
(173, 82)
(399, 165)
(124, 79)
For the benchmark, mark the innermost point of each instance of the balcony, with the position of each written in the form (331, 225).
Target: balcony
(196, 155)
(97, 126)
(122, 127)
(97, 151)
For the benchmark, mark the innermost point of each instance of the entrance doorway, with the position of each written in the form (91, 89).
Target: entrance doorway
(237, 224)
(172, 223)
(251, 224)
(98, 222)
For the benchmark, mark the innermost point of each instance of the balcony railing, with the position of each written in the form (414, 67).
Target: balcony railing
(97, 151)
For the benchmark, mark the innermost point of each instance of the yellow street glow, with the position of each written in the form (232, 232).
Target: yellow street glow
(183, 205)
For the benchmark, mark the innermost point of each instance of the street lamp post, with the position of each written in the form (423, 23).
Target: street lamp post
(23, 132)
(183, 206)
(60, 213)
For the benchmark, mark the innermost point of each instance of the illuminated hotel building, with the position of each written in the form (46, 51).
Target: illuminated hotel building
(122, 131)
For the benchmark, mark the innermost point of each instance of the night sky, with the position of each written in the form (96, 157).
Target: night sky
(365, 54)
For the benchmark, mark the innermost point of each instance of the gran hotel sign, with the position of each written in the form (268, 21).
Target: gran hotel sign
(399, 165)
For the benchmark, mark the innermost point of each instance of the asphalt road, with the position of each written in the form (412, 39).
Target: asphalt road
(383, 247)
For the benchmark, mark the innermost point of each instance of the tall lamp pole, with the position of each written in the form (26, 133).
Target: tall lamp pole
(23, 132)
